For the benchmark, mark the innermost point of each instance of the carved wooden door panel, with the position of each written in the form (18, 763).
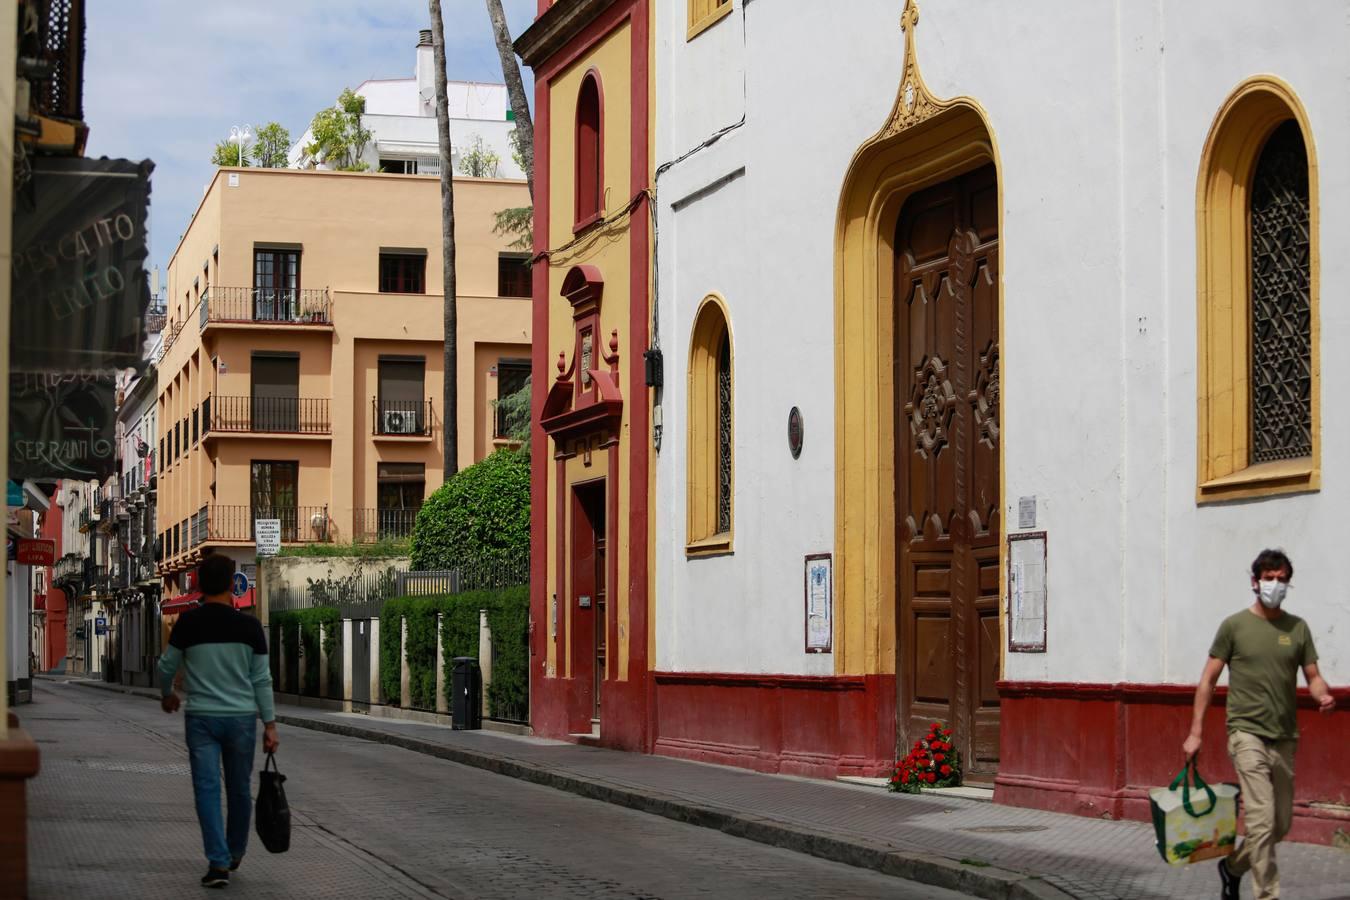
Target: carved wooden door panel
(946, 464)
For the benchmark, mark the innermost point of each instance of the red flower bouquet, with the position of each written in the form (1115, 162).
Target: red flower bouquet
(933, 762)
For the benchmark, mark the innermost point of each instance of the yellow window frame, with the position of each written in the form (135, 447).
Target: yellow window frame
(1239, 132)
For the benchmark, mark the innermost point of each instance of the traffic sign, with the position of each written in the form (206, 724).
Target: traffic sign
(100, 626)
(267, 536)
(240, 584)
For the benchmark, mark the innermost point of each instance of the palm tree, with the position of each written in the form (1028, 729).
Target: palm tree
(451, 401)
(515, 88)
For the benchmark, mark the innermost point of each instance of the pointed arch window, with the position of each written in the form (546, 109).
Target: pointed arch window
(1258, 429)
(711, 482)
(590, 154)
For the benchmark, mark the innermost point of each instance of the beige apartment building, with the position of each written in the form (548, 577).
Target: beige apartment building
(302, 370)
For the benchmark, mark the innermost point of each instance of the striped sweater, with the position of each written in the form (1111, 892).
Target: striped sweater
(227, 664)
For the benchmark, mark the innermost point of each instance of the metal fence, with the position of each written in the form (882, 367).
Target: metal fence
(362, 593)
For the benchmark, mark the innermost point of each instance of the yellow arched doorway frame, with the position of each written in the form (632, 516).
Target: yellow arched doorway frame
(924, 141)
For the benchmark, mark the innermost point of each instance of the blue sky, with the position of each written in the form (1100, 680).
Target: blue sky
(165, 79)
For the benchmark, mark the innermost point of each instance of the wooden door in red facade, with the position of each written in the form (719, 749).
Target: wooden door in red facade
(947, 466)
(588, 606)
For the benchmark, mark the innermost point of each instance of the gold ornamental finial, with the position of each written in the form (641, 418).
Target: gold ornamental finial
(915, 103)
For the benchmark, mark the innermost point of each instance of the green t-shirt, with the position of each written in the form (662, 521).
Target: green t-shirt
(1263, 661)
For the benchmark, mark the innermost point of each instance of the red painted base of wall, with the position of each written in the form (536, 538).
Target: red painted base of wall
(1097, 749)
(552, 700)
(811, 726)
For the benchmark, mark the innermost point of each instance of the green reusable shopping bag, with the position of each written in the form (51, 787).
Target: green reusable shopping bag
(1196, 822)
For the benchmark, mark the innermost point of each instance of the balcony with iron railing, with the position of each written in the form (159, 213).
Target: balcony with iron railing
(372, 525)
(68, 569)
(89, 516)
(267, 415)
(299, 524)
(401, 418)
(265, 306)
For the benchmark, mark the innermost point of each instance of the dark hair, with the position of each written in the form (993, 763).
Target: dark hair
(215, 574)
(1270, 561)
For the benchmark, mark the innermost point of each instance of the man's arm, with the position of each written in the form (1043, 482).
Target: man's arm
(1204, 692)
(1317, 686)
(169, 661)
(260, 673)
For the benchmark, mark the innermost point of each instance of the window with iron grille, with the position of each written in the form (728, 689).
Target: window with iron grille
(1281, 400)
(513, 275)
(403, 273)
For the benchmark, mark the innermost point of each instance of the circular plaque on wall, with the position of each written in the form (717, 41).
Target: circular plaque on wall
(795, 432)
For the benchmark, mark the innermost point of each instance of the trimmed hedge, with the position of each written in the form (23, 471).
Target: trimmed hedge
(508, 612)
(477, 521)
(300, 627)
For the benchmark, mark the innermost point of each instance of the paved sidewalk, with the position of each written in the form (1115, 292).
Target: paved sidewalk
(979, 848)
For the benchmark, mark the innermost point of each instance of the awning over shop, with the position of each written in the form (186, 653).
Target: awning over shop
(181, 603)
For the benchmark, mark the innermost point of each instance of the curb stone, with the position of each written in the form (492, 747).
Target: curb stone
(988, 882)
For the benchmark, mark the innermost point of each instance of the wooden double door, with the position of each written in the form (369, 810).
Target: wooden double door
(947, 466)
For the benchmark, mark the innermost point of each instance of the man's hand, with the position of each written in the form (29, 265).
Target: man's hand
(169, 703)
(1326, 703)
(270, 740)
(1191, 747)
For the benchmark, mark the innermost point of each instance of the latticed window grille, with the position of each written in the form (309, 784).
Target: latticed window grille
(724, 434)
(1281, 400)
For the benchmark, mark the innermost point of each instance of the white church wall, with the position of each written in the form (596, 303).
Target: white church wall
(1100, 116)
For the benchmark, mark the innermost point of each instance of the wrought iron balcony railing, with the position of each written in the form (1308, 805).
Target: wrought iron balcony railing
(401, 417)
(370, 525)
(267, 306)
(285, 415)
(299, 524)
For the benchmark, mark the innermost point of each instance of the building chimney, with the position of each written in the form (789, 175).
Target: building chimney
(426, 68)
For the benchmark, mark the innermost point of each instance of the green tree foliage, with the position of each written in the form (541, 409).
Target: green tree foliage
(516, 223)
(516, 408)
(479, 160)
(508, 612)
(229, 153)
(300, 628)
(271, 145)
(339, 137)
(479, 519)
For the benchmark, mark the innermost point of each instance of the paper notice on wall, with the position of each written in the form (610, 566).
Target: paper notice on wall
(819, 604)
(1026, 593)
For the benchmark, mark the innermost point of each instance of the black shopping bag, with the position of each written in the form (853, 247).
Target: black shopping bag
(272, 815)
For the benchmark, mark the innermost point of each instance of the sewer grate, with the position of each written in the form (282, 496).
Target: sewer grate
(138, 768)
(1004, 829)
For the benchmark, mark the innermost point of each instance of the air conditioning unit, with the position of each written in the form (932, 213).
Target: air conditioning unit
(399, 422)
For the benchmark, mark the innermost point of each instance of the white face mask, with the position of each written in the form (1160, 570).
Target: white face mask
(1272, 592)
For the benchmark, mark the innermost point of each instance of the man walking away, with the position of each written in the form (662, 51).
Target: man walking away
(229, 683)
(1263, 647)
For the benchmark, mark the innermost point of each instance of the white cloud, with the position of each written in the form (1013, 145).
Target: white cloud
(165, 79)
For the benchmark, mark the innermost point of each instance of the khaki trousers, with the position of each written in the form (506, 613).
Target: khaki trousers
(1265, 770)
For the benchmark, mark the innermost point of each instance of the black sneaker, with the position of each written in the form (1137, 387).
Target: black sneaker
(216, 878)
(234, 862)
(1229, 881)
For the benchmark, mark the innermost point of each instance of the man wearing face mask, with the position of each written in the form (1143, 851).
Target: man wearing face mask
(1264, 647)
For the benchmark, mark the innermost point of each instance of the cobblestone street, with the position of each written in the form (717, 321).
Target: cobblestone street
(111, 816)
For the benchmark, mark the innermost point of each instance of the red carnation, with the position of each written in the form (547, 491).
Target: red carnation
(939, 757)
(947, 732)
(930, 777)
(946, 770)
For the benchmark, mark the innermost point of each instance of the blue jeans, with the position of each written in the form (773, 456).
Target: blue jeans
(213, 742)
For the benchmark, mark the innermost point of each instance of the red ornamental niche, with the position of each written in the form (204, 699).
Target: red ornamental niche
(585, 396)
